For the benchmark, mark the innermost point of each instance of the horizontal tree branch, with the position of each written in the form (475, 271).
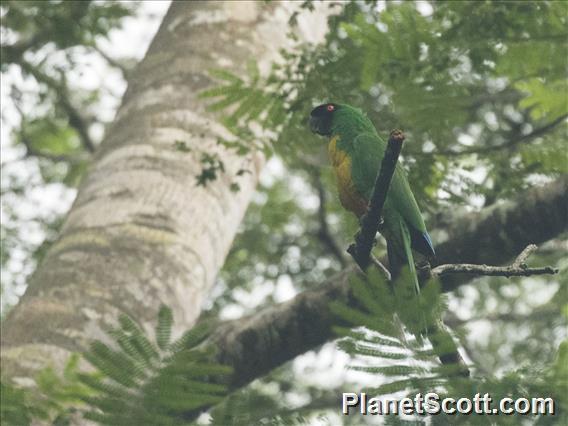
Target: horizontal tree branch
(517, 269)
(494, 235)
(259, 343)
(539, 131)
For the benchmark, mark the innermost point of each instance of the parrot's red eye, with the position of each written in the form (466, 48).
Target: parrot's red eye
(330, 108)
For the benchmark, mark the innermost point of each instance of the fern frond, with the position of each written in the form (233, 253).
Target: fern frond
(358, 348)
(389, 320)
(223, 74)
(116, 365)
(146, 382)
(192, 338)
(391, 370)
(140, 342)
(101, 386)
(164, 327)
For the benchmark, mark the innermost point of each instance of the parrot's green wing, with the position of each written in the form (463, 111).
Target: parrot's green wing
(402, 199)
(367, 152)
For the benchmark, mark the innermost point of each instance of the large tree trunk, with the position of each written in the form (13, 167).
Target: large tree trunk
(141, 232)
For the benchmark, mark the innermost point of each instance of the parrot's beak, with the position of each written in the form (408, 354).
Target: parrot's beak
(314, 124)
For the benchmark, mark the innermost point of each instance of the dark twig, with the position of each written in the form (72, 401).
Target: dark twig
(112, 62)
(370, 223)
(76, 120)
(485, 149)
(517, 269)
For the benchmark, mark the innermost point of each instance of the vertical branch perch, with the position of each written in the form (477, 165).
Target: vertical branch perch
(370, 223)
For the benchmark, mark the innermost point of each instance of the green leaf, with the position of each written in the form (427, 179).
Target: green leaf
(545, 98)
(164, 327)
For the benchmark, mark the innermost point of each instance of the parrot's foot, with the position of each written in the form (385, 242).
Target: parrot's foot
(363, 218)
(423, 270)
(357, 237)
(397, 135)
(379, 229)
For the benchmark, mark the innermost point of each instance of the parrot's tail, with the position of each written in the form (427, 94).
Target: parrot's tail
(400, 255)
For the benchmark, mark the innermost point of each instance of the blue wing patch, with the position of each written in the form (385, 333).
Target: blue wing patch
(428, 240)
(422, 243)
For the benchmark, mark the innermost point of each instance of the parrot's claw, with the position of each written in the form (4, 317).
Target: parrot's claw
(397, 135)
(364, 217)
(423, 269)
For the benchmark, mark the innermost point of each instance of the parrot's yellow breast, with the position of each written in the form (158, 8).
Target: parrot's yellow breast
(348, 195)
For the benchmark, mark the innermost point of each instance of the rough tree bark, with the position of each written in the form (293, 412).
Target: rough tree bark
(141, 232)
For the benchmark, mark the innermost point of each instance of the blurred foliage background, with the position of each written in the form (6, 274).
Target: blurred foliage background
(480, 89)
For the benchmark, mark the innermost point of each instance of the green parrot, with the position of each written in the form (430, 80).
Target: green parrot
(356, 151)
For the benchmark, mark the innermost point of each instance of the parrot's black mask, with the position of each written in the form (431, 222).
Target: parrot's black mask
(321, 118)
